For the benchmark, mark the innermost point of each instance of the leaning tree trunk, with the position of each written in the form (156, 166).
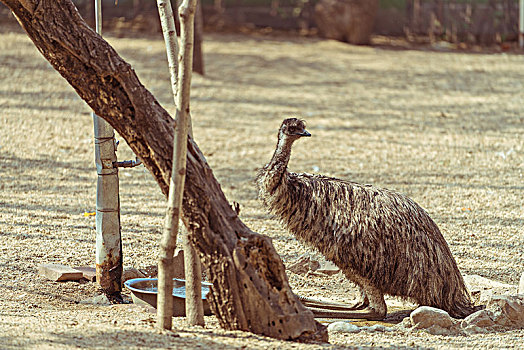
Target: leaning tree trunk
(250, 287)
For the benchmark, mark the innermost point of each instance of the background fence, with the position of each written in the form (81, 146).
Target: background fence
(470, 21)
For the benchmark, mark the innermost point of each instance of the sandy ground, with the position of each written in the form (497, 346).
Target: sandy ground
(444, 128)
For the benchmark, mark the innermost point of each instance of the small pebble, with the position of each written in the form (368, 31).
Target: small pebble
(343, 327)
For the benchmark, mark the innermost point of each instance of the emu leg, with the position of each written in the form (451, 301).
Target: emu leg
(372, 308)
(376, 310)
(321, 304)
(367, 314)
(362, 302)
(377, 305)
(371, 304)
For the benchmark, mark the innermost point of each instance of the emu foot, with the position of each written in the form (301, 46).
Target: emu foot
(367, 314)
(360, 305)
(320, 304)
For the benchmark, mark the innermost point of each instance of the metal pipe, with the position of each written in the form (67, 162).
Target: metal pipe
(127, 163)
(98, 16)
(521, 24)
(108, 237)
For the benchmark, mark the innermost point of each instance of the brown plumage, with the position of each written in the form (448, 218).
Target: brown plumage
(382, 240)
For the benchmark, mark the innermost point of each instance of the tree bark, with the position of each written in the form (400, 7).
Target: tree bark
(193, 274)
(176, 184)
(198, 55)
(250, 287)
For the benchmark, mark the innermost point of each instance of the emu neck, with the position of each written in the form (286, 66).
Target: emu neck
(278, 164)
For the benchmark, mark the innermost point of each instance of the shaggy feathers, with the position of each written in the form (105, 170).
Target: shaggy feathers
(371, 234)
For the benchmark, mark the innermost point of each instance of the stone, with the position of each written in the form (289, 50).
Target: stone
(130, 273)
(507, 310)
(343, 327)
(478, 282)
(521, 285)
(59, 273)
(303, 265)
(378, 328)
(475, 330)
(426, 316)
(405, 323)
(438, 330)
(100, 300)
(481, 318)
(484, 288)
(485, 295)
(88, 272)
(328, 268)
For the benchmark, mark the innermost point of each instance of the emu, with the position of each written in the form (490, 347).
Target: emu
(381, 240)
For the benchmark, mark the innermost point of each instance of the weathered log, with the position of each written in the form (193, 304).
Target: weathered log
(250, 287)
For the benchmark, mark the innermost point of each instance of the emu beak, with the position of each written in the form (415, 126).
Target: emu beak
(304, 133)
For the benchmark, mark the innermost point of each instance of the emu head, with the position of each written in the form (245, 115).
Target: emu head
(292, 129)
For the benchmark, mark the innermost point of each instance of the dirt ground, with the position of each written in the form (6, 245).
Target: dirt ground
(444, 128)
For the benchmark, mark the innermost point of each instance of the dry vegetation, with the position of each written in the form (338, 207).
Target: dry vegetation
(444, 128)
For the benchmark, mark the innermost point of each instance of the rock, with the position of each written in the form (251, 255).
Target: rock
(328, 268)
(481, 318)
(475, 330)
(405, 323)
(425, 317)
(438, 330)
(100, 300)
(130, 273)
(303, 265)
(59, 273)
(88, 272)
(485, 295)
(521, 285)
(475, 282)
(507, 310)
(378, 328)
(485, 288)
(343, 327)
